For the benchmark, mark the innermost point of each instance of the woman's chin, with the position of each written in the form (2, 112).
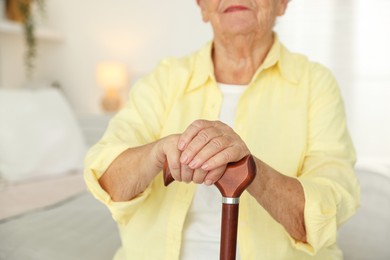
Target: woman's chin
(240, 29)
(239, 26)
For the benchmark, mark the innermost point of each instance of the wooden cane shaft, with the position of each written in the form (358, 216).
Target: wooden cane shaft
(229, 226)
(234, 181)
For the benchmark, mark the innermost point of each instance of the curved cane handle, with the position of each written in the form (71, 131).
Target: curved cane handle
(237, 177)
(168, 179)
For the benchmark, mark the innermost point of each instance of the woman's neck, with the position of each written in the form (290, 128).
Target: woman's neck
(236, 59)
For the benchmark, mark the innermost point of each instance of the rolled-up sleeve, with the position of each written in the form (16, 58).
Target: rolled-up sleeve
(121, 211)
(332, 193)
(138, 123)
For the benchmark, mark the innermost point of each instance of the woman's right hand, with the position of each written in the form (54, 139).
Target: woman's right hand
(167, 150)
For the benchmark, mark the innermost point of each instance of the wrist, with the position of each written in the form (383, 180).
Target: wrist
(156, 157)
(255, 188)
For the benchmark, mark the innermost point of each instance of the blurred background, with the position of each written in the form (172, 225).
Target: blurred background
(93, 51)
(73, 37)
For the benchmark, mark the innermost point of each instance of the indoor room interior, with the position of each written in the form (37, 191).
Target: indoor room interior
(60, 88)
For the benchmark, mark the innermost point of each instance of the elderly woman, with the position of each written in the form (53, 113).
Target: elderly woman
(243, 93)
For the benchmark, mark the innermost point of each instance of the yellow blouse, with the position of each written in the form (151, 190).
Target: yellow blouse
(291, 116)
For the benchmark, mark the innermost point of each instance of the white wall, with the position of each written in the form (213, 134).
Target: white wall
(349, 36)
(138, 33)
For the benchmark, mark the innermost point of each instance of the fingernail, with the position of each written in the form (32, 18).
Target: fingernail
(183, 159)
(205, 167)
(181, 145)
(208, 182)
(192, 165)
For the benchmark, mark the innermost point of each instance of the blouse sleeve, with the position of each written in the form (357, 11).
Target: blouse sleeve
(330, 186)
(138, 123)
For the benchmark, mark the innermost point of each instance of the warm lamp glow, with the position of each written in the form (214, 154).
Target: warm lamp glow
(112, 76)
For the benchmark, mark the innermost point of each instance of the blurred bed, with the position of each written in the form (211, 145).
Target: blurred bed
(46, 213)
(366, 236)
(73, 225)
(45, 210)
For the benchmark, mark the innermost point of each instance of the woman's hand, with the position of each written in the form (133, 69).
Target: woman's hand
(206, 148)
(167, 150)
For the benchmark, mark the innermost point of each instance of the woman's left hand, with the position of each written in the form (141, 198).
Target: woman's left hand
(207, 147)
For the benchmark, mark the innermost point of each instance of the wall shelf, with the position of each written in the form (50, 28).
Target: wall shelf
(13, 28)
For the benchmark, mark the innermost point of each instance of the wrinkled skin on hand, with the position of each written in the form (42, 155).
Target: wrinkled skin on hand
(201, 153)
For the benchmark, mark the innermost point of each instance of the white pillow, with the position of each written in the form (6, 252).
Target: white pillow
(39, 135)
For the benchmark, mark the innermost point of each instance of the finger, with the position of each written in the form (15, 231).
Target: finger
(213, 176)
(198, 143)
(213, 147)
(230, 154)
(173, 158)
(186, 173)
(191, 131)
(199, 176)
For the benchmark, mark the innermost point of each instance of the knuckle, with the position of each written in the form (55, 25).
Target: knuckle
(225, 127)
(203, 136)
(217, 143)
(175, 166)
(243, 149)
(198, 123)
(229, 139)
(226, 156)
(218, 123)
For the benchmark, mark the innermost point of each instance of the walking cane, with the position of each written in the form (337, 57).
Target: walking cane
(233, 182)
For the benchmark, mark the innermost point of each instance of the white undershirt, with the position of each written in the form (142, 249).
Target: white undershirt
(202, 228)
